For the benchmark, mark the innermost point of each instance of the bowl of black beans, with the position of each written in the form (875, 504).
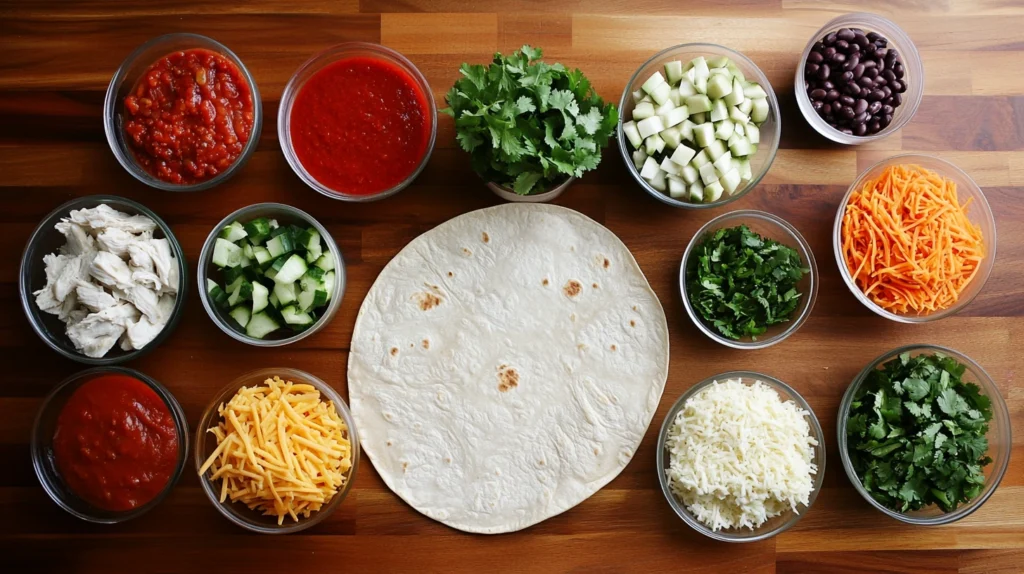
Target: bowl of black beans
(859, 80)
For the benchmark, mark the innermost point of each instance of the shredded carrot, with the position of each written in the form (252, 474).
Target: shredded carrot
(907, 241)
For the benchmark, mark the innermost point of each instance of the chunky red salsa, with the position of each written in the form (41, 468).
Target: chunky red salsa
(116, 444)
(360, 125)
(189, 116)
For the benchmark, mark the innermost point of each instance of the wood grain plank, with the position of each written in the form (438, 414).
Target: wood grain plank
(943, 562)
(440, 33)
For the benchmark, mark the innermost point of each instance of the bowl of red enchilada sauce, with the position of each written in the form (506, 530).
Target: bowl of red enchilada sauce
(357, 122)
(109, 444)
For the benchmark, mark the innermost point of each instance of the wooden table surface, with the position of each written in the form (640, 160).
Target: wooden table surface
(57, 57)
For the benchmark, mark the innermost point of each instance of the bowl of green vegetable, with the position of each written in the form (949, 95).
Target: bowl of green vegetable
(699, 125)
(748, 279)
(924, 435)
(270, 275)
(530, 127)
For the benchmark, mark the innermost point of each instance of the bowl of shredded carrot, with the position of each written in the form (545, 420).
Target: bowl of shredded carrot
(914, 238)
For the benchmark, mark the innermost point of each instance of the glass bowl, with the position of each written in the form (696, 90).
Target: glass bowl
(999, 437)
(980, 214)
(319, 62)
(128, 74)
(771, 227)
(32, 277)
(205, 443)
(770, 129)
(42, 447)
(285, 214)
(913, 72)
(775, 525)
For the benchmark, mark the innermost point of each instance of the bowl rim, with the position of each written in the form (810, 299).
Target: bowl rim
(294, 87)
(837, 230)
(110, 115)
(801, 245)
(28, 302)
(773, 105)
(340, 272)
(80, 378)
(816, 432)
(209, 417)
(999, 404)
(804, 103)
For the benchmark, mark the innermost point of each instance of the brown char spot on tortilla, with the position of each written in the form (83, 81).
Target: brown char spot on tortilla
(594, 285)
(544, 282)
(394, 351)
(466, 252)
(615, 348)
(572, 288)
(606, 263)
(390, 442)
(508, 379)
(426, 343)
(405, 466)
(428, 301)
(486, 238)
(450, 274)
(632, 323)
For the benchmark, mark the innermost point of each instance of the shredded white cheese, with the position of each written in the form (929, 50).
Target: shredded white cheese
(739, 455)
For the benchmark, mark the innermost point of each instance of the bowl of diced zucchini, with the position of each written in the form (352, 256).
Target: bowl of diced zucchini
(698, 125)
(270, 275)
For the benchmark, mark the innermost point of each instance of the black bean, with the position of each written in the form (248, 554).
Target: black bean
(898, 70)
(848, 113)
(818, 46)
(897, 99)
(869, 64)
(873, 36)
(858, 71)
(881, 43)
(852, 89)
(831, 96)
(866, 81)
(851, 62)
(875, 106)
(890, 56)
(886, 109)
(860, 130)
(847, 100)
(818, 94)
(845, 34)
(830, 39)
(863, 41)
(886, 91)
(823, 72)
(815, 57)
(871, 73)
(839, 58)
(876, 95)
(880, 54)
(828, 85)
(889, 75)
(860, 118)
(847, 131)
(847, 77)
(816, 104)
(874, 126)
(842, 45)
(861, 105)
(826, 109)
(811, 69)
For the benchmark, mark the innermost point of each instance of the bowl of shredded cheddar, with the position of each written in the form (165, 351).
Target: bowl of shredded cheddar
(276, 451)
(914, 238)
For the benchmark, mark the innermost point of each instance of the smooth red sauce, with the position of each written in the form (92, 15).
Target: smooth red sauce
(360, 126)
(116, 444)
(189, 117)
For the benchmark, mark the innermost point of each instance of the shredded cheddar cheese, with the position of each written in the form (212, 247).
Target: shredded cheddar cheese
(907, 241)
(280, 450)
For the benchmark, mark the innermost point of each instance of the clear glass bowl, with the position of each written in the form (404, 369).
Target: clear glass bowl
(32, 277)
(42, 447)
(980, 213)
(775, 525)
(205, 443)
(771, 227)
(770, 130)
(125, 79)
(284, 214)
(317, 63)
(510, 195)
(913, 73)
(999, 437)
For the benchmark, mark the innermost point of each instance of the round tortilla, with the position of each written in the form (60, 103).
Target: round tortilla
(506, 365)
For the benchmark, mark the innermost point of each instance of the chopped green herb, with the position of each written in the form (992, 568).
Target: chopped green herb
(741, 283)
(916, 434)
(529, 125)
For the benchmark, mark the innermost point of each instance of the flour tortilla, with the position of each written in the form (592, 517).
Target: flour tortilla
(506, 365)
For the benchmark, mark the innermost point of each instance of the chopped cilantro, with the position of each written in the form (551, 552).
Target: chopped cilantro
(741, 283)
(529, 125)
(916, 434)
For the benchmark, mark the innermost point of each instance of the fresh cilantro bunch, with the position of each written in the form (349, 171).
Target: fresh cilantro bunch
(742, 283)
(529, 125)
(916, 434)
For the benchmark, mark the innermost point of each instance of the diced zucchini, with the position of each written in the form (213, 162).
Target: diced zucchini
(745, 172)
(698, 118)
(311, 299)
(329, 284)
(643, 110)
(260, 295)
(689, 174)
(259, 229)
(704, 134)
(700, 159)
(674, 71)
(708, 174)
(234, 232)
(686, 89)
(731, 181)
(669, 167)
(719, 111)
(672, 137)
(724, 129)
(686, 130)
(260, 325)
(683, 155)
(754, 91)
(649, 169)
(311, 242)
(637, 96)
(741, 147)
(713, 192)
(759, 111)
(654, 144)
(650, 126)
(753, 134)
(639, 157)
(217, 295)
(293, 316)
(735, 96)
(696, 191)
(653, 82)
(660, 93)
(674, 97)
(280, 244)
(676, 188)
(715, 149)
(273, 300)
(700, 67)
(293, 268)
(675, 116)
(262, 255)
(664, 108)
(286, 293)
(723, 163)
(698, 104)
(231, 275)
(226, 254)
(719, 86)
(632, 133)
(745, 106)
(241, 315)
(737, 116)
(659, 182)
(718, 61)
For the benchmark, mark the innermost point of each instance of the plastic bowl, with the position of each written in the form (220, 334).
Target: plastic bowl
(32, 277)
(205, 443)
(770, 131)
(125, 79)
(980, 214)
(317, 63)
(913, 74)
(771, 227)
(999, 437)
(43, 456)
(775, 525)
(285, 214)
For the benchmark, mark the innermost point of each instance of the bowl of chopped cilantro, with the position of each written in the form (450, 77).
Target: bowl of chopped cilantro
(924, 435)
(748, 279)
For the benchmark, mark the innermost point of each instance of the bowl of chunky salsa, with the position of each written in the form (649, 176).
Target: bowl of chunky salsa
(182, 113)
(109, 444)
(357, 122)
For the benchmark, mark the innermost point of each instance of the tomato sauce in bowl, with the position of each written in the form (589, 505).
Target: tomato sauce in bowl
(116, 443)
(357, 122)
(189, 116)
